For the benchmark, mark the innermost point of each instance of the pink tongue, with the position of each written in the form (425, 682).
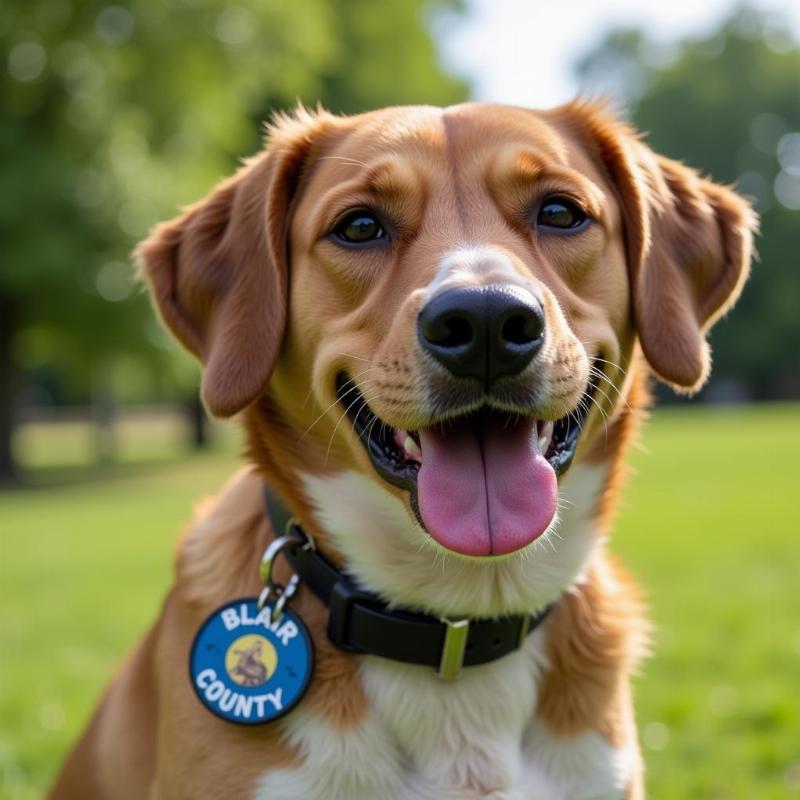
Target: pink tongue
(484, 488)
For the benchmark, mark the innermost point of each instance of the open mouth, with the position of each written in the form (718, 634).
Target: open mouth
(483, 483)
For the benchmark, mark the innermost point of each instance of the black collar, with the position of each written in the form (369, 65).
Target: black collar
(360, 622)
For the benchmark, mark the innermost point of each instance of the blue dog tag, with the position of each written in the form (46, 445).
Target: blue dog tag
(247, 668)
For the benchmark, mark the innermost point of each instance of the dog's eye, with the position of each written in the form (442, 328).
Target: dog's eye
(561, 213)
(359, 227)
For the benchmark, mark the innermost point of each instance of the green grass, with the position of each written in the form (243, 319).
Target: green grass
(709, 527)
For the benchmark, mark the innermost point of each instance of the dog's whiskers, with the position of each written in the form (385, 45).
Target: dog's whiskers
(359, 399)
(603, 414)
(364, 435)
(600, 374)
(354, 387)
(346, 160)
(610, 401)
(605, 360)
(357, 358)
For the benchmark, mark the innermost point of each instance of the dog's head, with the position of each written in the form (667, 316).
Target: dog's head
(431, 315)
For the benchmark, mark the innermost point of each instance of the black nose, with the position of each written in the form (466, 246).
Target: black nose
(482, 332)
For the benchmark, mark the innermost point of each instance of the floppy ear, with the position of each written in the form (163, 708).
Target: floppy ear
(218, 273)
(689, 245)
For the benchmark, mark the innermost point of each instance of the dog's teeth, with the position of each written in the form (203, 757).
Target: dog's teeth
(412, 449)
(404, 441)
(546, 434)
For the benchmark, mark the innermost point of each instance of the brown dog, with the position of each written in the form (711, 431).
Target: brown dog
(437, 325)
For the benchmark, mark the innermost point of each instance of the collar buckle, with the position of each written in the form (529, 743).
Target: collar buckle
(453, 648)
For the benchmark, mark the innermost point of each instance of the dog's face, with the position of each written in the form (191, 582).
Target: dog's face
(432, 315)
(457, 281)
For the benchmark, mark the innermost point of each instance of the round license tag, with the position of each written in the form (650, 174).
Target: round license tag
(248, 669)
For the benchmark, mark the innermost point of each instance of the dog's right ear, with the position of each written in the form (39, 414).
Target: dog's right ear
(218, 274)
(688, 242)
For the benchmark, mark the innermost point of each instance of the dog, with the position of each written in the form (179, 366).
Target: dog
(437, 327)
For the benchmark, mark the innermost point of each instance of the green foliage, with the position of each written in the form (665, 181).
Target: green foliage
(87, 566)
(116, 114)
(729, 104)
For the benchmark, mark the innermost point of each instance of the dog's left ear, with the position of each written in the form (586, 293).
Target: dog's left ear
(689, 245)
(218, 274)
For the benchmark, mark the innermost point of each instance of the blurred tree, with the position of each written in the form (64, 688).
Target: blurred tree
(729, 104)
(115, 114)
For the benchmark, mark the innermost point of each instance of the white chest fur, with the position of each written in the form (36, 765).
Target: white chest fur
(427, 740)
(477, 737)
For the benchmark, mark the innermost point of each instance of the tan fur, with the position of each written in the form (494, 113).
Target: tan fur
(632, 401)
(596, 637)
(250, 282)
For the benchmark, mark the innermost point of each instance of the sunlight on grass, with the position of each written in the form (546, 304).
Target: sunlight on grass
(138, 436)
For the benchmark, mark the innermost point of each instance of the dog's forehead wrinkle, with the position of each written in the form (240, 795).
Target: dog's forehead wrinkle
(456, 185)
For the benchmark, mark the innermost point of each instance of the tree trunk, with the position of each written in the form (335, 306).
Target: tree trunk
(103, 416)
(198, 422)
(8, 391)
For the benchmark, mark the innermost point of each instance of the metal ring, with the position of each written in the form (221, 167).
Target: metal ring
(263, 598)
(283, 594)
(283, 599)
(294, 536)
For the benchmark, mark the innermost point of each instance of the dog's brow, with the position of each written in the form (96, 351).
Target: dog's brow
(522, 169)
(392, 177)
(520, 166)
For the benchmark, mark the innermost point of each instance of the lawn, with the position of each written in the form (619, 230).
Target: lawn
(709, 526)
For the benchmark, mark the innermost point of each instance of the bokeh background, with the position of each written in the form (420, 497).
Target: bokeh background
(113, 115)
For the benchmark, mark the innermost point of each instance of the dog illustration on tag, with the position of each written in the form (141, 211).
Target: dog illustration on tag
(251, 660)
